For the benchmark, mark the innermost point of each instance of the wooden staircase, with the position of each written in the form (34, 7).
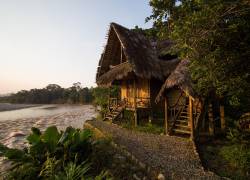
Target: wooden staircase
(114, 113)
(181, 125)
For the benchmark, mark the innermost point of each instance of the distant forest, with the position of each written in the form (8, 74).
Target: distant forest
(52, 93)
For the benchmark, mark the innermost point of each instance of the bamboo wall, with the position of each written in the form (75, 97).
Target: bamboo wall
(141, 90)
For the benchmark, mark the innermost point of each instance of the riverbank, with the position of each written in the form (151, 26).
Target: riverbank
(13, 132)
(9, 106)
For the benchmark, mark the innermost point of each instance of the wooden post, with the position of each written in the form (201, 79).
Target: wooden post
(191, 119)
(211, 119)
(150, 116)
(166, 115)
(222, 118)
(135, 105)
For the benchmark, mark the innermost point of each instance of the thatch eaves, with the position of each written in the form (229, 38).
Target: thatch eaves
(139, 52)
(180, 77)
(116, 73)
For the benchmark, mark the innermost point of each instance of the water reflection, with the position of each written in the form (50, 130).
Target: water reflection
(43, 110)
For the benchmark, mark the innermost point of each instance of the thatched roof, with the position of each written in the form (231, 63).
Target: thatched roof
(140, 54)
(116, 73)
(180, 77)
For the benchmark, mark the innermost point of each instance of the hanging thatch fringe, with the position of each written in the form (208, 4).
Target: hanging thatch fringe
(179, 77)
(116, 73)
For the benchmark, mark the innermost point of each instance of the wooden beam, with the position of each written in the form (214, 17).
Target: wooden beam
(211, 119)
(135, 104)
(121, 54)
(166, 115)
(191, 119)
(222, 118)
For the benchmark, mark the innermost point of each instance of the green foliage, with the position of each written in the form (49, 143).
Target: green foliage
(238, 136)
(150, 33)
(238, 156)
(215, 36)
(52, 93)
(53, 155)
(74, 171)
(101, 97)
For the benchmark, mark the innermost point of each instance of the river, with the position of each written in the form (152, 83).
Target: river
(15, 125)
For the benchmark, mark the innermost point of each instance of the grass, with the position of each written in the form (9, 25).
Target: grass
(147, 128)
(143, 126)
(150, 128)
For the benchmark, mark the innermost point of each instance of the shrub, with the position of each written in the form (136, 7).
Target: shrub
(238, 155)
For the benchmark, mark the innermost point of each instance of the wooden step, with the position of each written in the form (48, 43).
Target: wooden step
(108, 117)
(186, 117)
(181, 131)
(181, 121)
(182, 126)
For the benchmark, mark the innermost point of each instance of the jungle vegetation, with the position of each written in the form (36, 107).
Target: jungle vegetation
(52, 93)
(214, 36)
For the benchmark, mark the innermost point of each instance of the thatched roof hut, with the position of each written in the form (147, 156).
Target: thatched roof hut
(130, 52)
(180, 77)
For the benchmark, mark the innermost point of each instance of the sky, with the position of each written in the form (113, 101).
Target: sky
(58, 41)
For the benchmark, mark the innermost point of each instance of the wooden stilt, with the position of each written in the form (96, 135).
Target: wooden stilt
(222, 118)
(166, 115)
(135, 118)
(191, 119)
(150, 116)
(211, 120)
(135, 105)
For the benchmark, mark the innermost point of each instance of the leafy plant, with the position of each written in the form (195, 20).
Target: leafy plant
(74, 171)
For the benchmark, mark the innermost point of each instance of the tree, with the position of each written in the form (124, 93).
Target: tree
(52, 93)
(215, 37)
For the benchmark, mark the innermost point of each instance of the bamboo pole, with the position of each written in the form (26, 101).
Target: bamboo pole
(166, 115)
(135, 104)
(222, 118)
(211, 119)
(191, 119)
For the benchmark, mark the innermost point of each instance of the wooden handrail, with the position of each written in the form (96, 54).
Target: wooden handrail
(177, 101)
(176, 117)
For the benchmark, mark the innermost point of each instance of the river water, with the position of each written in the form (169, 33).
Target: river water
(43, 110)
(15, 125)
